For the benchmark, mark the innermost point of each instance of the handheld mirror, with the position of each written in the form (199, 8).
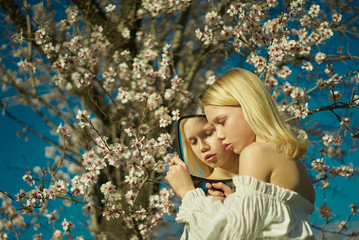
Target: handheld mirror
(195, 145)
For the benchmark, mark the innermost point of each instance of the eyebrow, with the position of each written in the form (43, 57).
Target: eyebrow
(203, 131)
(207, 127)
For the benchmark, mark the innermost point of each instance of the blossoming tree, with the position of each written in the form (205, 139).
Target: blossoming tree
(110, 78)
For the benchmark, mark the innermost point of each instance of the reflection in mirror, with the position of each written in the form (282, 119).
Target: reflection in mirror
(203, 152)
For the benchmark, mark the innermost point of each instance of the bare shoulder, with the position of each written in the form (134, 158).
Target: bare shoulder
(256, 160)
(266, 162)
(261, 152)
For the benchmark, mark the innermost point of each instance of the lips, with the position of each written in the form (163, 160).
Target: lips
(210, 158)
(227, 146)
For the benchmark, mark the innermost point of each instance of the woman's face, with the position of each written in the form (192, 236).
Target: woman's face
(231, 127)
(203, 140)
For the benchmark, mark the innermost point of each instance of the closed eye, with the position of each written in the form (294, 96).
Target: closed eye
(221, 122)
(208, 134)
(193, 141)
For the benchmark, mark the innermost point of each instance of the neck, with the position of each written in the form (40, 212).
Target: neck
(225, 172)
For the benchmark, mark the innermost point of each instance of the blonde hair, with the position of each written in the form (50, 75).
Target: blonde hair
(241, 87)
(193, 162)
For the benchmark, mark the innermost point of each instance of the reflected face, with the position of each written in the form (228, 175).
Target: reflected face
(203, 140)
(231, 127)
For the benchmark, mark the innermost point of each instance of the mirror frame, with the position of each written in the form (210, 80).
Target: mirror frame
(179, 151)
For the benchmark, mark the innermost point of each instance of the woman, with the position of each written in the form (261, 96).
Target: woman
(274, 195)
(204, 151)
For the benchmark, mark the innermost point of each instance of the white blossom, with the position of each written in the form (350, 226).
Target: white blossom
(28, 178)
(307, 66)
(67, 226)
(319, 57)
(327, 139)
(110, 8)
(320, 166)
(336, 17)
(314, 11)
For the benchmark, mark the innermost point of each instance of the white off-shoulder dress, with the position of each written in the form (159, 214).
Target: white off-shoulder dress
(256, 210)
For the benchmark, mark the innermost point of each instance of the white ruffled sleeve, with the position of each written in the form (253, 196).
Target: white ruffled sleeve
(256, 210)
(208, 218)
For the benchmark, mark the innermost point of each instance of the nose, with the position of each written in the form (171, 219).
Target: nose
(204, 147)
(220, 135)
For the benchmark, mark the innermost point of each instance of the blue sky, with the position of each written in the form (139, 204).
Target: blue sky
(19, 156)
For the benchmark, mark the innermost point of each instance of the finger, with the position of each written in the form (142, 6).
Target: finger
(215, 193)
(223, 187)
(219, 185)
(208, 185)
(173, 162)
(176, 161)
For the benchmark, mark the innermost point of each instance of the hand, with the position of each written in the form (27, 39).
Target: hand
(219, 190)
(179, 178)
